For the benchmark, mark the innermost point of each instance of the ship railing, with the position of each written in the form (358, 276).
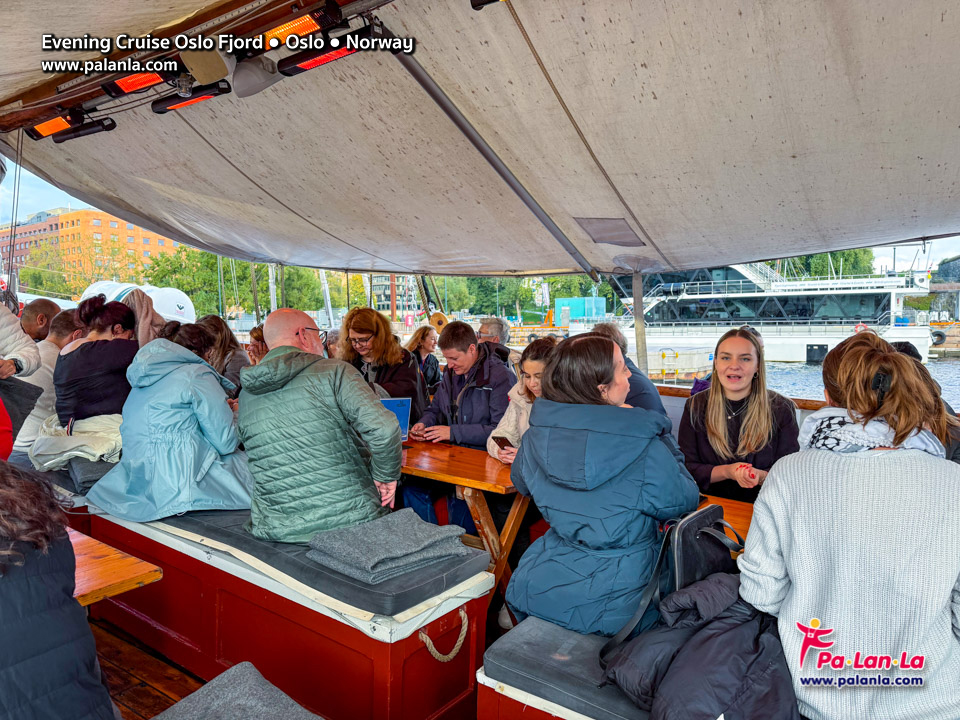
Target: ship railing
(761, 273)
(817, 326)
(720, 287)
(856, 282)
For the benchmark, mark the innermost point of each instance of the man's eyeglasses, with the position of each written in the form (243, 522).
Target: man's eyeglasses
(322, 334)
(356, 341)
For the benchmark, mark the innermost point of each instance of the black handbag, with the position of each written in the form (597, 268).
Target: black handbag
(695, 546)
(19, 398)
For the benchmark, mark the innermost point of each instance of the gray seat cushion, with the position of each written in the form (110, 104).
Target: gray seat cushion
(389, 597)
(558, 665)
(240, 693)
(85, 473)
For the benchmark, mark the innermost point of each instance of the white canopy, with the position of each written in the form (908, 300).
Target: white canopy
(713, 134)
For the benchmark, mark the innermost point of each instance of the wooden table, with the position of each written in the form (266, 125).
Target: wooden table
(104, 571)
(473, 472)
(735, 512)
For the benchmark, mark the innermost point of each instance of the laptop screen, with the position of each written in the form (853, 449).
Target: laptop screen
(401, 408)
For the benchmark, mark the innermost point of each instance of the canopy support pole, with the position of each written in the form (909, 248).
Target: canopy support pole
(256, 302)
(220, 282)
(272, 286)
(437, 94)
(326, 297)
(639, 324)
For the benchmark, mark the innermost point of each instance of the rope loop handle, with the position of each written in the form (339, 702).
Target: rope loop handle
(432, 649)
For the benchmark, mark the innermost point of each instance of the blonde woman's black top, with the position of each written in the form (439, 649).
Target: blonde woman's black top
(701, 458)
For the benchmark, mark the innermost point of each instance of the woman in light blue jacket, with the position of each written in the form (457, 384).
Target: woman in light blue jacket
(179, 435)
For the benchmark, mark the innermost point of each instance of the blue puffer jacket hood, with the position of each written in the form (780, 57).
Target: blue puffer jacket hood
(159, 358)
(584, 446)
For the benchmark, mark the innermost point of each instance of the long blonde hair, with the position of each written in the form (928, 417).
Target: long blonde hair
(757, 426)
(419, 335)
(226, 342)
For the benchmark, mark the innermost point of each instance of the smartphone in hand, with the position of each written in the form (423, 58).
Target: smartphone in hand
(502, 442)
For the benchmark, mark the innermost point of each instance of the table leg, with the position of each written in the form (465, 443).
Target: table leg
(508, 535)
(497, 544)
(480, 512)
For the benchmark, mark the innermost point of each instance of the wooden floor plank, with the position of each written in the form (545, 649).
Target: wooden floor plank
(118, 679)
(128, 714)
(144, 700)
(152, 671)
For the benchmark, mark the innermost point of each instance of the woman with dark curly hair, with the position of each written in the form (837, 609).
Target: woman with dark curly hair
(367, 343)
(48, 659)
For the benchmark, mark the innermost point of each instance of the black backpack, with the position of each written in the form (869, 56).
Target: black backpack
(695, 545)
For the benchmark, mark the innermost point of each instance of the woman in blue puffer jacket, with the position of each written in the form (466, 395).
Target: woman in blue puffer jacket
(179, 435)
(604, 475)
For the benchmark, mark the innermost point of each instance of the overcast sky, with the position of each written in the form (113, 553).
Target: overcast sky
(36, 195)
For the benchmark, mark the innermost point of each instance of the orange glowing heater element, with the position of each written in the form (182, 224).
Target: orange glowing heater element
(191, 101)
(45, 129)
(301, 26)
(324, 59)
(132, 83)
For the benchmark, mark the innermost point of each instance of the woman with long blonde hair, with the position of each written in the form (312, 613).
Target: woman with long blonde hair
(857, 538)
(422, 344)
(733, 433)
(227, 357)
(367, 343)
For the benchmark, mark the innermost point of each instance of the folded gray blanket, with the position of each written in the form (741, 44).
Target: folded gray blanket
(384, 548)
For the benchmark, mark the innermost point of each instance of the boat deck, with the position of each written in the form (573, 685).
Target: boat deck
(142, 683)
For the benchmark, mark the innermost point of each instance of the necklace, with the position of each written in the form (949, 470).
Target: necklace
(731, 414)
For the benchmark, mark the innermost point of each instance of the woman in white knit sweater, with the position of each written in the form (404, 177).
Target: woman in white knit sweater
(855, 545)
(516, 419)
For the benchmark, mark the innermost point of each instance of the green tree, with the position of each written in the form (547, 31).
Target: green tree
(47, 269)
(195, 272)
(46, 273)
(851, 262)
(454, 293)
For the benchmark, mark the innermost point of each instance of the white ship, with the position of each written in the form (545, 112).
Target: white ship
(800, 319)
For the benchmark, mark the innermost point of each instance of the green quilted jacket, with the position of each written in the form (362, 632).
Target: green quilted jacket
(316, 437)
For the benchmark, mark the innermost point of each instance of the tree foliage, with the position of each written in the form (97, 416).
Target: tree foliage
(195, 272)
(849, 262)
(48, 270)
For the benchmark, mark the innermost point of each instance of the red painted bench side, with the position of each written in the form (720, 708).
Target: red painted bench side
(208, 620)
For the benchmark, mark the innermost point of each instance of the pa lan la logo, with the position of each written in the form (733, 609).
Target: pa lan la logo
(815, 636)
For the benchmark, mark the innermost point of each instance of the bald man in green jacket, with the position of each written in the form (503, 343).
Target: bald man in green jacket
(324, 452)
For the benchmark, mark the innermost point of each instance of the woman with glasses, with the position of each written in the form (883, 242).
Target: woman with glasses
(367, 343)
(732, 433)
